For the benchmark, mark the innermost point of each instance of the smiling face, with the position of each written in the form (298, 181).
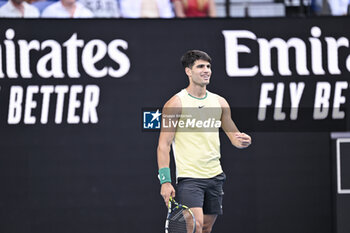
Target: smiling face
(199, 74)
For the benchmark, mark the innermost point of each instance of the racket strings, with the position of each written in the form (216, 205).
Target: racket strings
(180, 221)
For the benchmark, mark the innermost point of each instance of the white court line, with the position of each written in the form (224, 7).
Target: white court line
(340, 190)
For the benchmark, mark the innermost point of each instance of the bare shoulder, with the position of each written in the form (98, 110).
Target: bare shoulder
(173, 106)
(173, 102)
(223, 102)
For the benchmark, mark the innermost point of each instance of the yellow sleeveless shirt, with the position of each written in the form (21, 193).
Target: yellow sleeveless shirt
(196, 148)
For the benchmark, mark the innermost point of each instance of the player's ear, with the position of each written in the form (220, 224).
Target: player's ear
(188, 71)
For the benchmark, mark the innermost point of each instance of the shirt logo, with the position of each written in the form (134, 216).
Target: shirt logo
(201, 106)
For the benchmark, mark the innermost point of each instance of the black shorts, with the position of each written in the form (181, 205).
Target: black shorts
(203, 193)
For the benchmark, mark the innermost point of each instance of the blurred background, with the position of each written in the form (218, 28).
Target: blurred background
(191, 8)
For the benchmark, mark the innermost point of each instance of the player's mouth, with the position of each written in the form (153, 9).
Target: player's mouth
(206, 77)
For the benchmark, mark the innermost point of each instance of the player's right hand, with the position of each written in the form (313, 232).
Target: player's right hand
(167, 191)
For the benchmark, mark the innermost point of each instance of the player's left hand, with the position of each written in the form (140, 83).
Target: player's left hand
(242, 140)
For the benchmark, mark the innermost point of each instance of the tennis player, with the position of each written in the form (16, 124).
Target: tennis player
(196, 150)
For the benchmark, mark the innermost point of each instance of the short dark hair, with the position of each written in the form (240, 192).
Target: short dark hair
(191, 56)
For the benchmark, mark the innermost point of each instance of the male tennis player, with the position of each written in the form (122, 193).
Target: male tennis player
(196, 150)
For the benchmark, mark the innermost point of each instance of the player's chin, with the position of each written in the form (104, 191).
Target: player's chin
(203, 84)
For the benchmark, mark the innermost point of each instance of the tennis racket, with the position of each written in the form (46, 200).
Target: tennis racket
(180, 219)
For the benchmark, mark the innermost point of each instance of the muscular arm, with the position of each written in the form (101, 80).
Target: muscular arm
(171, 108)
(238, 139)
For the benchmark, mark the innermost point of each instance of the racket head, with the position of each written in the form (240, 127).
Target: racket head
(180, 219)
